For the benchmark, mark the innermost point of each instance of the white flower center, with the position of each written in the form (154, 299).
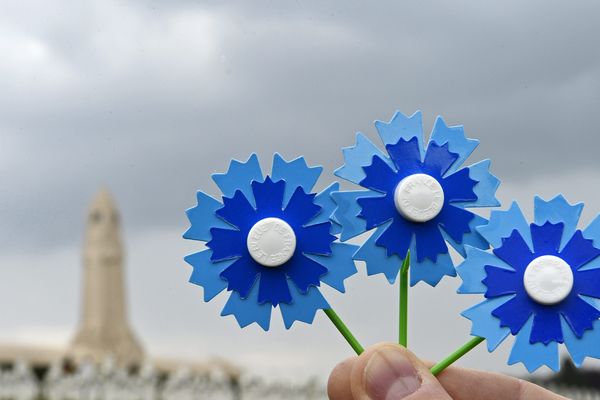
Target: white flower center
(271, 242)
(419, 197)
(548, 280)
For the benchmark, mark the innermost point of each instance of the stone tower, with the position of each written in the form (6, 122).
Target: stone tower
(104, 330)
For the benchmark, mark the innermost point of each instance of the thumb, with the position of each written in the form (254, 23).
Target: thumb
(390, 372)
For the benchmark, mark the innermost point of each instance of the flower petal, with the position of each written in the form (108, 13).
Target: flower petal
(347, 211)
(546, 238)
(458, 143)
(579, 251)
(303, 306)
(500, 281)
(458, 187)
(472, 270)
(248, 310)
(377, 210)
(314, 239)
(268, 196)
(339, 264)
(533, 356)
(579, 314)
(455, 221)
(358, 156)
(273, 287)
(429, 271)
(514, 251)
(241, 275)
(304, 272)
(202, 217)
(207, 274)
(226, 244)
(295, 173)
(380, 177)
(587, 282)
(558, 210)
(438, 160)
(376, 257)
(406, 157)
(328, 206)
(502, 223)
(471, 238)
(514, 313)
(238, 211)
(586, 346)
(486, 186)
(301, 208)
(546, 326)
(396, 238)
(484, 324)
(239, 177)
(429, 241)
(402, 127)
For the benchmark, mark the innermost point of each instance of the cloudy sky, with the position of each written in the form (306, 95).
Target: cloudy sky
(149, 98)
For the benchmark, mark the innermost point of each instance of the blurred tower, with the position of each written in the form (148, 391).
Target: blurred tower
(104, 330)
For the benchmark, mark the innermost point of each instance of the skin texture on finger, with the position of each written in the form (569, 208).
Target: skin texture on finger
(468, 384)
(388, 372)
(338, 386)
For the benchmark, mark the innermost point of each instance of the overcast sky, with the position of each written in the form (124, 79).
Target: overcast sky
(149, 98)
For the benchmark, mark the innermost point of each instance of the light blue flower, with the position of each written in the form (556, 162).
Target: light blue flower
(270, 242)
(541, 284)
(416, 198)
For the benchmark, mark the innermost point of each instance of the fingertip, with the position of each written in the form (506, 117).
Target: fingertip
(338, 385)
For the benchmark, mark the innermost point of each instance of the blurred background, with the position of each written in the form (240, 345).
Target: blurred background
(148, 98)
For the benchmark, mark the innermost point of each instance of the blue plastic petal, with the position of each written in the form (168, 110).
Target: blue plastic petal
(484, 324)
(558, 210)
(346, 213)
(472, 270)
(455, 137)
(202, 218)
(486, 186)
(207, 274)
(502, 223)
(239, 177)
(358, 156)
(401, 126)
(340, 264)
(427, 270)
(303, 306)
(533, 356)
(328, 206)
(593, 231)
(586, 346)
(295, 173)
(471, 238)
(248, 310)
(376, 257)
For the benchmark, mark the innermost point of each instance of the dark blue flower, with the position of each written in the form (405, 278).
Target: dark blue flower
(540, 283)
(260, 277)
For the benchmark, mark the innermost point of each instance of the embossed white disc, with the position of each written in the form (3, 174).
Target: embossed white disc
(419, 197)
(548, 280)
(271, 242)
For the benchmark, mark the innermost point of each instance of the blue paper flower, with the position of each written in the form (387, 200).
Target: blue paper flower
(541, 284)
(416, 198)
(270, 242)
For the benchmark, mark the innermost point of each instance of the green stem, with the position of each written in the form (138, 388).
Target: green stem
(403, 331)
(335, 319)
(464, 349)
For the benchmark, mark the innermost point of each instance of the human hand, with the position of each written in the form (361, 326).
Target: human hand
(389, 372)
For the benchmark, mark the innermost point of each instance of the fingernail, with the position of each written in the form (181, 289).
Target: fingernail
(389, 375)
